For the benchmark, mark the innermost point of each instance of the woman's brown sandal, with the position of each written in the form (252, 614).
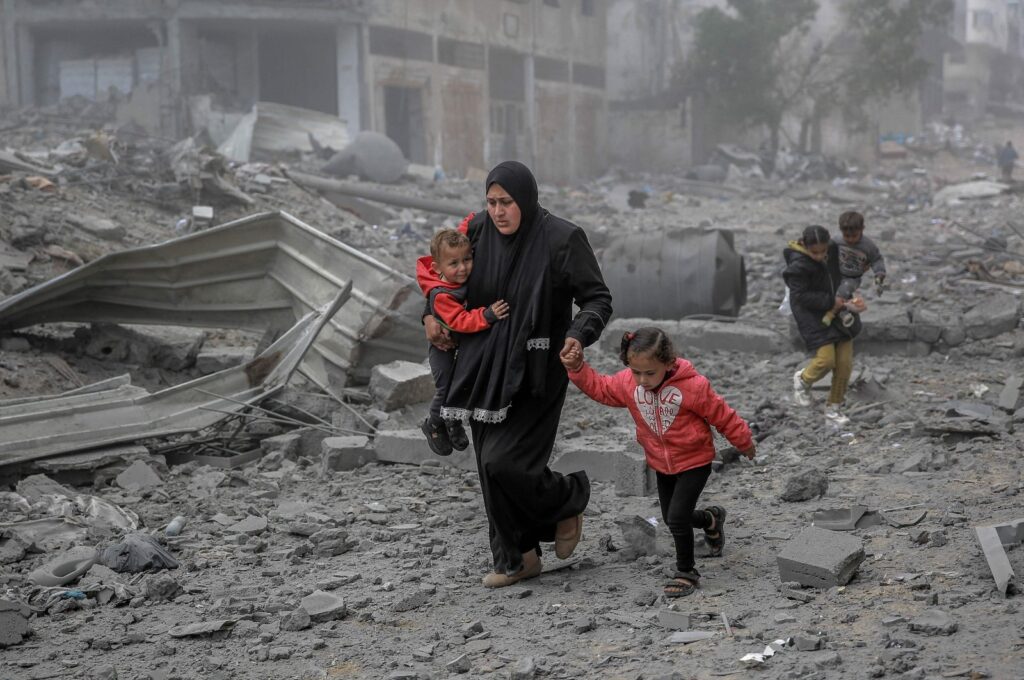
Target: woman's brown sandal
(683, 583)
(715, 537)
(531, 569)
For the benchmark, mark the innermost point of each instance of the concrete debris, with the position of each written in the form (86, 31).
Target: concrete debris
(65, 568)
(323, 606)
(370, 156)
(842, 519)
(270, 130)
(804, 486)
(14, 625)
(201, 629)
(994, 540)
(820, 558)
(933, 622)
(400, 383)
(138, 476)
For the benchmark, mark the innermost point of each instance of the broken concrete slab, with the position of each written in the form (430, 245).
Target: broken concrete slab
(252, 525)
(1009, 396)
(840, 519)
(345, 453)
(933, 622)
(372, 156)
(633, 476)
(14, 626)
(994, 315)
(202, 628)
(324, 606)
(287, 445)
(993, 539)
(139, 476)
(400, 383)
(805, 485)
(820, 558)
(271, 129)
(111, 342)
(410, 447)
(597, 455)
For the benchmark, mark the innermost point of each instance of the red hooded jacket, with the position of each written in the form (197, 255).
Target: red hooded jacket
(673, 424)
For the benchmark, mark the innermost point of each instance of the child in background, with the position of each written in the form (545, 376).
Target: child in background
(442, 276)
(857, 254)
(811, 276)
(673, 406)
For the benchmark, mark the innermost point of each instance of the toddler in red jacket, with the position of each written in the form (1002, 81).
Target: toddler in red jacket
(442, 276)
(674, 408)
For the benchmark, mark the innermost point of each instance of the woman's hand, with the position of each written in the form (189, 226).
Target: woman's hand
(572, 355)
(437, 335)
(839, 304)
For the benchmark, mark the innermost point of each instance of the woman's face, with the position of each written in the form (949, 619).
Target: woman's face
(503, 210)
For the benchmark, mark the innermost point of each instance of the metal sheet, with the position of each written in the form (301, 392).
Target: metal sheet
(257, 273)
(63, 424)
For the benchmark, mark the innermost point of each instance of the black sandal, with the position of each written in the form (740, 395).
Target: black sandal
(715, 538)
(437, 436)
(683, 583)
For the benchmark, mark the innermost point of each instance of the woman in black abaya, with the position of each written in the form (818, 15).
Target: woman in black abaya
(508, 380)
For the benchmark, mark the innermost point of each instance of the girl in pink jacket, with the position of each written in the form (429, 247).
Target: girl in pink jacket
(674, 408)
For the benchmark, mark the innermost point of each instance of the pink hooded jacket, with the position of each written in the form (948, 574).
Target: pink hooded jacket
(673, 425)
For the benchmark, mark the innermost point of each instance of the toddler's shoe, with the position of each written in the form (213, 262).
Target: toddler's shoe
(801, 390)
(437, 436)
(457, 435)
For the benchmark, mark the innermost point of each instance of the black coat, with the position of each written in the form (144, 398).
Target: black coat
(812, 292)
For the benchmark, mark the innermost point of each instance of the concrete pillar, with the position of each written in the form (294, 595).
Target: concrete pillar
(9, 44)
(368, 84)
(26, 66)
(349, 95)
(531, 112)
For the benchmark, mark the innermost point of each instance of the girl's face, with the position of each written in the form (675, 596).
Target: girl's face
(648, 372)
(503, 210)
(818, 252)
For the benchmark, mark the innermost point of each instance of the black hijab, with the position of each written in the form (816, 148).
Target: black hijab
(510, 359)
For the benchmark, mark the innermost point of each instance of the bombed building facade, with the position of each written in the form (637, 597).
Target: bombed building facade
(458, 88)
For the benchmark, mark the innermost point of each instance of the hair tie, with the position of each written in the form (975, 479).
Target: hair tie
(630, 336)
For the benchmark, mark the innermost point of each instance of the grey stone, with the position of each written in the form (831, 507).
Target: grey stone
(633, 477)
(1009, 396)
(842, 519)
(827, 660)
(286, 444)
(139, 476)
(252, 525)
(296, 620)
(100, 227)
(14, 626)
(525, 669)
(583, 624)
(995, 315)
(344, 453)
(12, 546)
(460, 664)
(933, 622)
(674, 620)
(805, 485)
(323, 606)
(400, 383)
(885, 323)
(105, 672)
(410, 447)
(413, 600)
(161, 588)
(807, 643)
(820, 558)
(278, 653)
(912, 462)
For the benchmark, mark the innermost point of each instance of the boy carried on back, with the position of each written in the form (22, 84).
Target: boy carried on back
(857, 254)
(442, 276)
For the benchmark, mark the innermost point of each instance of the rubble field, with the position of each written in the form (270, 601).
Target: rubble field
(319, 538)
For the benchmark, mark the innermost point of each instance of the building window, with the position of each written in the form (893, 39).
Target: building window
(551, 3)
(460, 53)
(983, 19)
(587, 8)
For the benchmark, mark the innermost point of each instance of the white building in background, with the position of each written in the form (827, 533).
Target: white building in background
(986, 73)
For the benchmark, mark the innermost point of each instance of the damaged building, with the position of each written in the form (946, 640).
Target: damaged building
(459, 89)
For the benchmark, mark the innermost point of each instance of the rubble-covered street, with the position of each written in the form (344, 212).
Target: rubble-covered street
(303, 534)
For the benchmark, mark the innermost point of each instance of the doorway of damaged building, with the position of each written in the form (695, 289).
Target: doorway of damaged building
(404, 121)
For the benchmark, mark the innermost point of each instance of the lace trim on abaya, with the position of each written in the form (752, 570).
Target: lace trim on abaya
(480, 415)
(538, 343)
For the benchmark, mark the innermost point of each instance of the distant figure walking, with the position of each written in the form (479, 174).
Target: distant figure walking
(1006, 159)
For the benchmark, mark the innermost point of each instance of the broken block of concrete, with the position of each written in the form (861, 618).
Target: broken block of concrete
(286, 444)
(842, 519)
(933, 622)
(400, 383)
(995, 315)
(805, 485)
(633, 477)
(14, 627)
(323, 606)
(252, 525)
(174, 351)
(138, 476)
(410, 447)
(702, 335)
(820, 558)
(344, 453)
(993, 538)
(1009, 396)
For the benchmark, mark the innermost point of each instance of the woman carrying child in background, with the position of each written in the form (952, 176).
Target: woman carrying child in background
(812, 277)
(673, 406)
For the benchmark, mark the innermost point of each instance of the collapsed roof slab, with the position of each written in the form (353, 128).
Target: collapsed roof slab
(257, 273)
(64, 423)
(993, 540)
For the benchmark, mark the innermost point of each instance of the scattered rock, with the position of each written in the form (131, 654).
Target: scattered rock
(805, 485)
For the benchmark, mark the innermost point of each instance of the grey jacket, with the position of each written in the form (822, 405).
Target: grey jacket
(855, 260)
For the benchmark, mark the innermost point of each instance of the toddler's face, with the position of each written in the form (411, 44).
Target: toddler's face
(456, 263)
(852, 236)
(648, 372)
